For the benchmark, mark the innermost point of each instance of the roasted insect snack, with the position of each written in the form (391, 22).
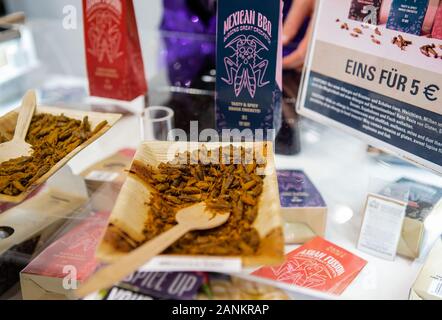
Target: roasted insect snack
(429, 50)
(227, 179)
(52, 138)
(401, 42)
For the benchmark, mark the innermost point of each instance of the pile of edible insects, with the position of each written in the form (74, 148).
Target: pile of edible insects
(52, 138)
(232, 183)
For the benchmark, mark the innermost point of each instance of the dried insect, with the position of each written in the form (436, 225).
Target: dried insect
(377, 31)
(355, 35)
(401, 42)
(429, 50)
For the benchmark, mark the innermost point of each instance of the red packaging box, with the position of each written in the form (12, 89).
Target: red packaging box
(71, 258)
(113, 55)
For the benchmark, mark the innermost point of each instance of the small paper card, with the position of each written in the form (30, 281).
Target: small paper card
(382, 225)
(319, 265)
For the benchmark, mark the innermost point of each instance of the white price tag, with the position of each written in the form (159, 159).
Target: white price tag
(435, 288)
(105, 176)
(382, 225)
(209, 264)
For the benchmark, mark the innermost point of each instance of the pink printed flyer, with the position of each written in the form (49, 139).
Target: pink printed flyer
(318, 265)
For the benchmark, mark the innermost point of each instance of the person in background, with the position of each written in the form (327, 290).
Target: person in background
(297, 18)
(2, 8)
(199, 16)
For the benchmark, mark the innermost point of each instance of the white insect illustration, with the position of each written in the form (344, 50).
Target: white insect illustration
(371, 14)
(245, 68)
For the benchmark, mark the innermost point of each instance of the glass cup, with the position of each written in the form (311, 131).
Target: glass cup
(157, 122)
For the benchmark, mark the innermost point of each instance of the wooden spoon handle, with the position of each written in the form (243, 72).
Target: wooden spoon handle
(109, 275)
(25, 115)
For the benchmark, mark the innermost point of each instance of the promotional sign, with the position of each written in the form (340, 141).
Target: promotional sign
(113, 55)
(382, 83)
(249, 65)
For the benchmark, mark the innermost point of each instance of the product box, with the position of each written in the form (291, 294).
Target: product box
(318, 265)
(428, 285)
(424, 201)
(164, 285)
(249, 67)
(118, 293)
(303, 209)
(437, 26)
(66, 263)
(61, 196)
(367, 11)
(217, 286)
(407, 16)
(113, 55)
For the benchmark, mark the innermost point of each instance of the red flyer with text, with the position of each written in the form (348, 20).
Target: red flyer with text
(318, 265)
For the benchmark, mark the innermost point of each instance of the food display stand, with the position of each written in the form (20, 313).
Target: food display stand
(343, 168)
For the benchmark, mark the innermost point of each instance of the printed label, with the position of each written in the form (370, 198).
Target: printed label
(435, 288)
(99, 175)
(381, 229)
(193, 264)
(117, 293)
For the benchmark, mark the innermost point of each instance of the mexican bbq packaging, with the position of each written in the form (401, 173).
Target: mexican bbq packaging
(249, 66)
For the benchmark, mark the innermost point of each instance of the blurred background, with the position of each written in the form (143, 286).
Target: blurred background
(58, 45)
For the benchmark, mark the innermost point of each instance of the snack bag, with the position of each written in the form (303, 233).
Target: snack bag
(249, 67)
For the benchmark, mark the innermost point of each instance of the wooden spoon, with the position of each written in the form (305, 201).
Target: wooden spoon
(191, 218)
(17, 147)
